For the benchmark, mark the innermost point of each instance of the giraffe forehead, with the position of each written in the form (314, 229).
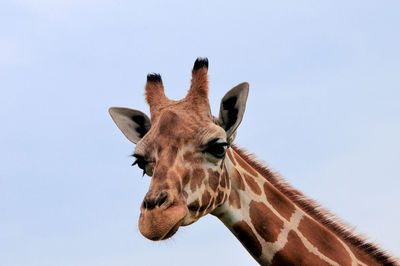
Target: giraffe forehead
(181, 129)
(176, 123)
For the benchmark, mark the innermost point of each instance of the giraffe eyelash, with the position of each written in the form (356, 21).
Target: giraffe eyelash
(141, 162)
(215, 141)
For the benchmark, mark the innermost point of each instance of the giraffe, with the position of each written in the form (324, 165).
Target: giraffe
(196, 170)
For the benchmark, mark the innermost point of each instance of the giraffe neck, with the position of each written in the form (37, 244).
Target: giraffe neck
(274, 228)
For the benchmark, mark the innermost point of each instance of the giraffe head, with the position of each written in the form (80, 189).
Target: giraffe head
(182, 147)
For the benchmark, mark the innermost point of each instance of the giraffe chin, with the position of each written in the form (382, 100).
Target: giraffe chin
(160, 224)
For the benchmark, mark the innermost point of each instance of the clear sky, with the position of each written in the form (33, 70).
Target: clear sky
(323, 109)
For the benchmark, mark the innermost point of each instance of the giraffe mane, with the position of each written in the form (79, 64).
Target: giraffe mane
(312, 208)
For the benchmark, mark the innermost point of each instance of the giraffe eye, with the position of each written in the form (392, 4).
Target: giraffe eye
(217, 149)
(141, 162)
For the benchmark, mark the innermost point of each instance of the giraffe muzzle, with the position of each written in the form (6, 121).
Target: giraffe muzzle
(161, 215)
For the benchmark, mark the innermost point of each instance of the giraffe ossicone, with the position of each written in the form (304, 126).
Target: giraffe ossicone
(196, 170)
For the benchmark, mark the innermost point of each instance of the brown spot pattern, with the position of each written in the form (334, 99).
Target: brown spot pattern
(159, 147)
(249, 240)
(227, 179)
(211, 206)
(175, 183)
(188, 156)
(160, 172)
(194, 206)
(245, 166)
(173, 151)
(237, 179)
(364, 257)
(266, 223)
(191, 158)
(205, 200)
(213, 179)
(326, 242)
(197, 178)
(186, 178)
(234, 199)
(222, 181)
(225, 197)
(252, 184)
(280, 202)
(231, 157)
(220, 197)
(295, 253)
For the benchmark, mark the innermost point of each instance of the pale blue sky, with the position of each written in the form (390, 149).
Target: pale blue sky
(323, 109)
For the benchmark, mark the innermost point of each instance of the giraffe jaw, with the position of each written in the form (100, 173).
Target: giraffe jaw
(173, 230)
(188, 220)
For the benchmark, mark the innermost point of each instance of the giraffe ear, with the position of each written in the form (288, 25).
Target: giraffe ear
(133, 124)
(232, 108)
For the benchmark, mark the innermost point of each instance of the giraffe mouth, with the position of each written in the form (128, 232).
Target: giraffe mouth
(160, 224)
(173, 230)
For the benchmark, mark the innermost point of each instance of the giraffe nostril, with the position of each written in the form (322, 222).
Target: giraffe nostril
(145, 204)
(150, 203)
(162, 197)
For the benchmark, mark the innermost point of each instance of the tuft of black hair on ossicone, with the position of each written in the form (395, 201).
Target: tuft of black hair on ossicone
(200, 63)
(154, 77)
